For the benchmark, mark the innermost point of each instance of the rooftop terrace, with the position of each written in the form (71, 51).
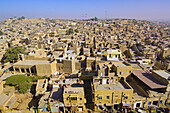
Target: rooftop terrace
(163, 74)
(121, 64)
(115, 86)
(31, 62)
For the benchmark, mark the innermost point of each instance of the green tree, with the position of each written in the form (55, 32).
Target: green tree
(20, 32)
(76, 30)
(1, 33)
(23, 88)
(20, 18)
(95, 19)
(21, 82)
(11, 29)
(28, 29)
(12, 54)
(70, 31)
(16, 80)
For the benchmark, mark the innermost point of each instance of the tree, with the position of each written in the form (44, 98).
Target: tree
(21, 82)
(95, 19)
(76, 30)
(1, 33)
(20, 18)
(70, 31)
(20, 32)
(11, 29)
(16, 80)
(12, 54)
(23, 88)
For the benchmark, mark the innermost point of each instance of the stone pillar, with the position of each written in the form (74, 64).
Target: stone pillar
(19, 70)
(14, 68)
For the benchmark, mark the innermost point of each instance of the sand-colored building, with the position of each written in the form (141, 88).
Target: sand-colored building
(122, 69)
(7, 100)
(114, 55)
(163, 76)
(1, 86)
(74, 98)
(35, 67)
(108, 94)
(41, 87)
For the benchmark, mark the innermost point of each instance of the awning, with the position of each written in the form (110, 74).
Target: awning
(61, 105)
(109, 104)
(68, 105)
(126, 104)
(53, 109)
(74, 105)
(100, 104)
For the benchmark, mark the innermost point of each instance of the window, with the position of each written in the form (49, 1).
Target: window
(22, 70)
(28, 71)
(101, 74)
(126, 97)
(149, 103)
(73, 98)
(108, 97)
(100, 98)
(155, 102)
(160, 102)
(138, 105)
(17, 69)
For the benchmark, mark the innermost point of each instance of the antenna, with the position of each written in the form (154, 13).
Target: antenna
(105, 14)
(83, 16)
(86, 16)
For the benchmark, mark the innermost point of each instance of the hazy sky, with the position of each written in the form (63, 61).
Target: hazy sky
(76, 9)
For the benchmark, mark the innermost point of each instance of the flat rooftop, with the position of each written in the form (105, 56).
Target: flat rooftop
(122, 64)
(162, 73)
(72, 55)
(65, 81)
(69, 51)
(41, 83)
(31, 62)
(4, 98)
(90, 58)
(136, 66)
(76, 89)
(2, 40)
(115, 86)
(113, 51)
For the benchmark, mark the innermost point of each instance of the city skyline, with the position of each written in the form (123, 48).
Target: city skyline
(66, 9)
